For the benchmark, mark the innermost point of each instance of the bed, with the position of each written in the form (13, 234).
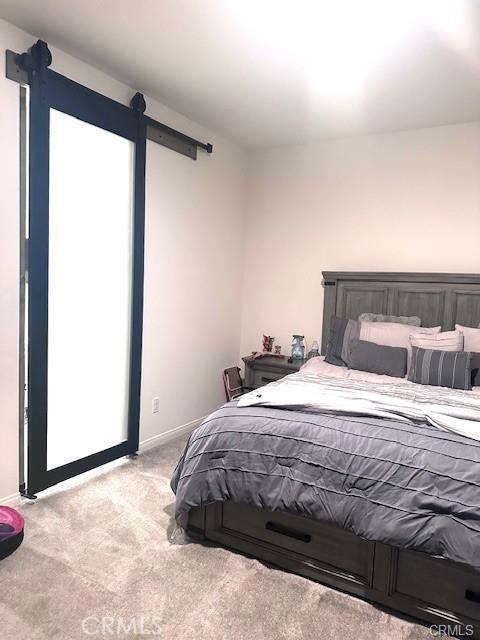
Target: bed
(369, 502)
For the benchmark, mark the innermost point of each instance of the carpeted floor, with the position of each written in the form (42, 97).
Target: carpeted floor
(104, 560)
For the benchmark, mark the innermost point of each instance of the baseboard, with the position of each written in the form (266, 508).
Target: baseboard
(10, 501)
(171, 434)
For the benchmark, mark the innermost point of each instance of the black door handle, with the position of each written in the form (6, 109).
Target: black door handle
(286, 531)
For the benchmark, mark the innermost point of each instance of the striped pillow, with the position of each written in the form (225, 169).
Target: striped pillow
(445, 341)
(441, 368)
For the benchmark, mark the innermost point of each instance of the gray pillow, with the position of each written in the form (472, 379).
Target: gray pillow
(441, 368)
(475, 368)
(377, 358)
(415, 321)
(342, 331)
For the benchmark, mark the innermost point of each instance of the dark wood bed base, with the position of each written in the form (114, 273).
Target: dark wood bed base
(435, 591)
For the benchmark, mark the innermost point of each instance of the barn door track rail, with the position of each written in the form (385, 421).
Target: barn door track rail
(22, 67)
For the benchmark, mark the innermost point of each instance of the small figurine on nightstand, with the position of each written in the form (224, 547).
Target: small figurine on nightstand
(267, 343)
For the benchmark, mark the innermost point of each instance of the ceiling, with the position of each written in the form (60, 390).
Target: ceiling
(271, 72)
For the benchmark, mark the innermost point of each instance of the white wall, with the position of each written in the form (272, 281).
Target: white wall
(193, 270)
(9, 266)
(407, 201)
(194, 251)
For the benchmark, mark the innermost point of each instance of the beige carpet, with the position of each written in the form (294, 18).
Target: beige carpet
(103, 560)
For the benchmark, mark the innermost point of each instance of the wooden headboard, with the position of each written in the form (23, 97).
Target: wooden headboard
(437, 298)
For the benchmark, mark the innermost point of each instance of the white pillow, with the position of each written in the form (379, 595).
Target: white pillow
(445, 341)
(392, 334)
(471, 338)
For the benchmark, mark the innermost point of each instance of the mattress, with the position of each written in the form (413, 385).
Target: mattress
(399, 481)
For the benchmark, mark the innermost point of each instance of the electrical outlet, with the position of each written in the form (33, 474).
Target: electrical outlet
(155, 405)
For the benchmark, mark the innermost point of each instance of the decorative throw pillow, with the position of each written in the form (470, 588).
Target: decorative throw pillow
(392, 334)
(441, 368)
(379, 317)
(342, 331)
(445, 341)
(377, 358)
(471, 337)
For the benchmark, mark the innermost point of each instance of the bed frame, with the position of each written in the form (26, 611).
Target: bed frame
(432, 590)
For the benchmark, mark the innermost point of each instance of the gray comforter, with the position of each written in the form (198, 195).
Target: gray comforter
(408, 485)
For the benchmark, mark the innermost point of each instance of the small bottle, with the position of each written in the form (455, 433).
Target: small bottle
(313, 351)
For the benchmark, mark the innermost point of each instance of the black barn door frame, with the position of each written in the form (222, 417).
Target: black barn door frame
(50, 89)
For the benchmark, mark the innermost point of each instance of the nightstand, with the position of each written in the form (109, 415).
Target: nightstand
(261, 371)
